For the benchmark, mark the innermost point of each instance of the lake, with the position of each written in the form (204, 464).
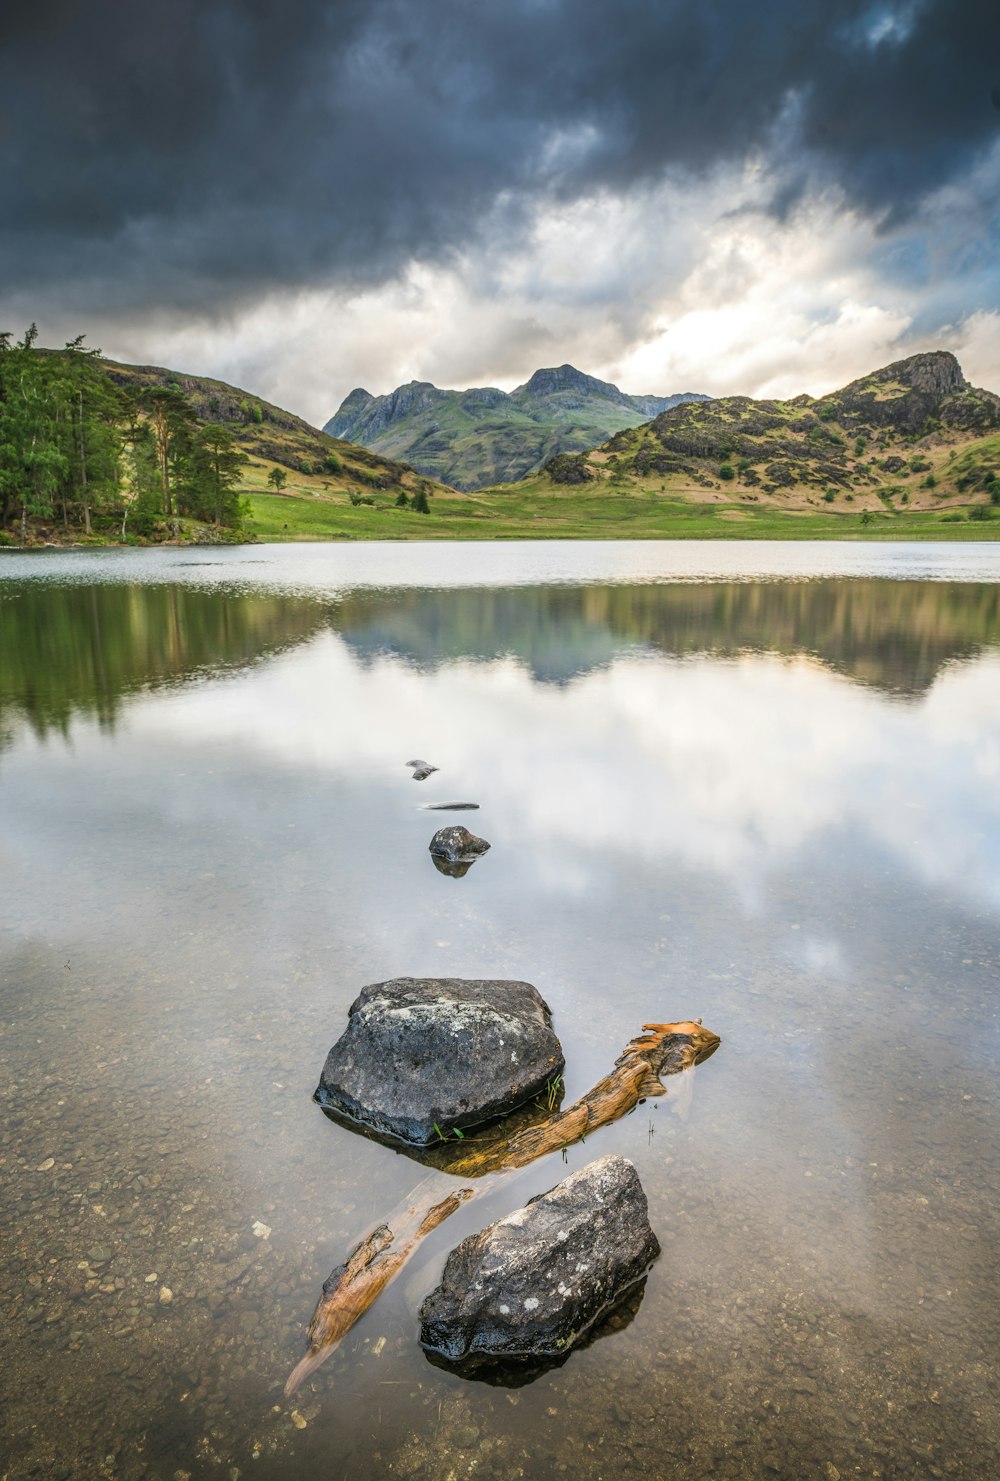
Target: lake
(757, 784)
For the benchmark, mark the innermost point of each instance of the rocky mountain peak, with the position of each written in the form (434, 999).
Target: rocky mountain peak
(563, 378)
(936, 373)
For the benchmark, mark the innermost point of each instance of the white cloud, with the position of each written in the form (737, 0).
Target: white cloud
(677, 287)
(731, 767)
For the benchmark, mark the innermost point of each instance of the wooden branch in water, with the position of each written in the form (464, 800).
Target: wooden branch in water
(661, 1049)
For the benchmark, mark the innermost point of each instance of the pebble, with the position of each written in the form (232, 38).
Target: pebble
(45, 1166)
(299, 1420)
(152, 1278)
(166, 1295)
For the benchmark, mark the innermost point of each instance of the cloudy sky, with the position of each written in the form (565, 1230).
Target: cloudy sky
(303, 196)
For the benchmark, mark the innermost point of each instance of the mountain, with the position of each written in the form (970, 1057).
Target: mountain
(915, 432)
(267, 433)
(482, 436)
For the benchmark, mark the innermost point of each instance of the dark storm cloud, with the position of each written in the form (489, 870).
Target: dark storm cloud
(195, 151)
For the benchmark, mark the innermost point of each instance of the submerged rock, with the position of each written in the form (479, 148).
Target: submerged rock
(422, 1057)
(421, 770)
(456, 845)
(531, 1284)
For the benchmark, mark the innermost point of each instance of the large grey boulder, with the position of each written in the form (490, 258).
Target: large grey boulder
(422, 1056)
(531, 1284)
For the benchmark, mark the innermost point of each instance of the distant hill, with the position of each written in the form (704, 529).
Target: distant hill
(482, 436)
(267, 433)
(914, 433)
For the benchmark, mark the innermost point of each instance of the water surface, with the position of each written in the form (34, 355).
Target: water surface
(758, 785)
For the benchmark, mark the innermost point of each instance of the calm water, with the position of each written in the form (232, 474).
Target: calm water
(755, 784)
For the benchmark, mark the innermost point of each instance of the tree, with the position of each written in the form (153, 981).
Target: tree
(96, 413)
(277, 478)
(420, 503)
(172, 421)
(32, 455)
(222, 463)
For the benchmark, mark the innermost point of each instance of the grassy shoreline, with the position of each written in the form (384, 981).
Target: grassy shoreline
(308, 516)
(291, 518)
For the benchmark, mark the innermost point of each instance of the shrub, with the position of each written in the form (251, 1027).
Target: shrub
(980, 512)
(332, 463)
(727, 471)
(829, 496)
(256, 413)
(570, 468)
(930, 482)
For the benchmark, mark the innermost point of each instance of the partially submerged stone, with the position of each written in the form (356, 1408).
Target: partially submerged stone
(456, 845)
(421, 770)
(423, 1057)
(531, 1284)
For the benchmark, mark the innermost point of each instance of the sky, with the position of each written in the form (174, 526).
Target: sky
(305, 196)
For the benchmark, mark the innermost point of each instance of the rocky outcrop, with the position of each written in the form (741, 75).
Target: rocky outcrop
(532, 1284)
(423, 1057)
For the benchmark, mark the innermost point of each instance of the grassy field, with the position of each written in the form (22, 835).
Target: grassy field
(537, 511)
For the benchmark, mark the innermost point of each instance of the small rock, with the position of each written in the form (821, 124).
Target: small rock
(801, 1384)
(531, 1284)
(152, 1278)
(47, 1165)
(299, 1420)
(421, 770)
(166, 1295)
(455, 850)
(262, 1231)
(98, 1255)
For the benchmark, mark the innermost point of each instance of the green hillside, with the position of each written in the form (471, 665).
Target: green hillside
(94, 451)
(271, 437)
(481, 436)
(914, 436)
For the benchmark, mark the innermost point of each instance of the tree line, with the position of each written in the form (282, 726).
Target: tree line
(79, 451)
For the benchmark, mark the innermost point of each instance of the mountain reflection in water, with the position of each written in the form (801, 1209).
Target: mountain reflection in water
(82, 648)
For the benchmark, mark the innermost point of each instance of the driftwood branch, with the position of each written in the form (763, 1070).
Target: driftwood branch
(661, 1049)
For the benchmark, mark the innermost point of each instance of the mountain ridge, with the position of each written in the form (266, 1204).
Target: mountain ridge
(470, 438)
(870, 440)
